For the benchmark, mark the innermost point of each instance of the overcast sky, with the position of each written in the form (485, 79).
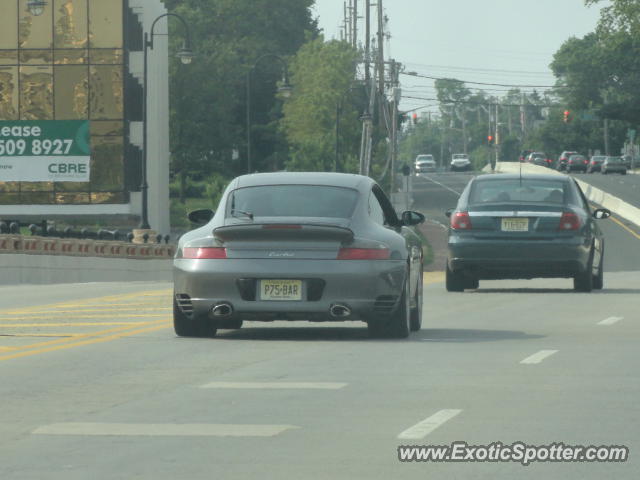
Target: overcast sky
(470, 39)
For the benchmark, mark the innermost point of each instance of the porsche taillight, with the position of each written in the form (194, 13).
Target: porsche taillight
(204, 252)
(364, 254)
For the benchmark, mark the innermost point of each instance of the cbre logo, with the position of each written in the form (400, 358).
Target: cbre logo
(67, 168)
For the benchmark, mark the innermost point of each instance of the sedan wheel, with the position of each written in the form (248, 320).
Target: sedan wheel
(598, 279)
(583, 282)
(191, 327)
(454, 280)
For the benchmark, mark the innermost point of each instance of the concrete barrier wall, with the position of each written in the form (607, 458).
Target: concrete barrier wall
(45, 260)
(616, 205)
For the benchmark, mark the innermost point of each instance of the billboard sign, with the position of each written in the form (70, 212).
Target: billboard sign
(45, 151)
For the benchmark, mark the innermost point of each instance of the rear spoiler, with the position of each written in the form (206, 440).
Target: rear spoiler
(284, 231)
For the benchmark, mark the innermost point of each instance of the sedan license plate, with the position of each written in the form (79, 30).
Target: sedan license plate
(515, 224)
(281, 290)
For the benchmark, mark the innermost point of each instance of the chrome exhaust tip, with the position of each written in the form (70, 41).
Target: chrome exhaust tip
(221, 310)
(339, 310)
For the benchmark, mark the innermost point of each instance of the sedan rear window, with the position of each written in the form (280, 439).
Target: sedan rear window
(293, 201)
(525, 191)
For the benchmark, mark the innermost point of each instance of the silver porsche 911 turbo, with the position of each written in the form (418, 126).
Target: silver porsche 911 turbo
(300, 246)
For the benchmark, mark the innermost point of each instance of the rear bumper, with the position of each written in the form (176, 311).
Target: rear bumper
(368, 288)
(521, 259)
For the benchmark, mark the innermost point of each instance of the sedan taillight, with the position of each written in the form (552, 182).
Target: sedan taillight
(364, 254)
(569, 221)
(204, 252)
(460, 221)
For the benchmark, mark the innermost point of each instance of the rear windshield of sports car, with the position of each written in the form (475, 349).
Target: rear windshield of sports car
(529, 191)
(292, 201)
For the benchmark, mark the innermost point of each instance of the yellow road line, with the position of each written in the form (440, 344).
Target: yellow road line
(77, 310)
(19, 335)
(72, 324)
(110, 298)
(87, 335)
(83, 342)
(618, 222)
(53, 317)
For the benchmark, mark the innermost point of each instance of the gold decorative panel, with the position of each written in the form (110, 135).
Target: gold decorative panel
(107, 163)
(8, 57)
(36, 57)
(106, 89)
(9, 93)
(36, 93)
(71, 92)
(9, 30)
(70, 24)
(105, 23)
(70, 57)
(34, 32)
(113, 56)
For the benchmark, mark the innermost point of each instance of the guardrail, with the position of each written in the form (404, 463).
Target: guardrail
(38, 245)
(44, 229)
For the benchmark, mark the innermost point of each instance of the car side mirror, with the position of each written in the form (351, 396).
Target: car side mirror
(201, 216)
(412, 218)
(448, 212)
(601, 213)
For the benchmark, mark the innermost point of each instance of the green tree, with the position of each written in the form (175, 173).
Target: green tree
(322, 75)
(208, 97)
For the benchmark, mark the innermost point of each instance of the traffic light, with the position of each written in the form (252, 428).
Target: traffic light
(490, 139)
(414, 117)
(567, 116)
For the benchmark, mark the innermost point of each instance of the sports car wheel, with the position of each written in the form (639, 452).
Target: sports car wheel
(454, 281)
(396, 325)
(191, 327)
(416, 312)
(471, 283)
(583, 282)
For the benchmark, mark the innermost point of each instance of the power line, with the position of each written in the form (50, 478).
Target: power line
(415, 74)
(474, 69)
(471, 102)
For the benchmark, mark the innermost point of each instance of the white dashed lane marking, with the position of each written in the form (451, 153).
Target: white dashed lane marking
(610, 320)
(538, 357)
(428, 425)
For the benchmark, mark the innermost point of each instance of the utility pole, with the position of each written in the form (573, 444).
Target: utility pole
(367, 42)
(380, 48)
(464, 129)
(354, 12)
(395, 74)
(347, 22)
(497, 137)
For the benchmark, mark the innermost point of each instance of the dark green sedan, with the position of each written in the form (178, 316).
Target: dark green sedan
(508, 226)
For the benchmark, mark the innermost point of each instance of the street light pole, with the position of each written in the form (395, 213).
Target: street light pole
(284, 89)
(186, 56)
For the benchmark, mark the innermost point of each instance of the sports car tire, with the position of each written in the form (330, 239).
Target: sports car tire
(416, 312)
(191, 327)
(454, 281)
(396, 325)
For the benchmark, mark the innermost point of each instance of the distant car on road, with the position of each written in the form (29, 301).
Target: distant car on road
(299, 246)
(524, 154)
(577, 163)
(614, 165)
(425, 163)
(595, 164)
(460, 161)
(509, 227)
(539, 158)
(561, 164)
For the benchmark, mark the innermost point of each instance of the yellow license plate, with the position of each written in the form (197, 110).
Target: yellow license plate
(515, 224)
(280, 289)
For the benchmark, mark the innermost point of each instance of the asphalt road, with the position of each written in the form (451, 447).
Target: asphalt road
(626, 187)
(94, 384)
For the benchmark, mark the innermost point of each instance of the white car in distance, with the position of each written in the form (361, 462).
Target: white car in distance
(425, 163)
(460, 161)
